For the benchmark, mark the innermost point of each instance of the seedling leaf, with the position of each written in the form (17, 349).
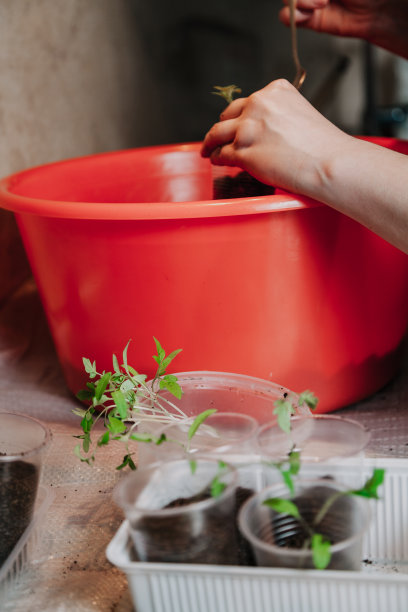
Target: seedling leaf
(217, 487)
(101, 385)
(199, 420)
(127, 460)
(284, 410)
(283, 506)
(308, 398)
(370, 488)
(321, 552)
(115, 426)
(120, 403)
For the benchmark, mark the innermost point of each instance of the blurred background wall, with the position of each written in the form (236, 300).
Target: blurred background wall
(83, 76)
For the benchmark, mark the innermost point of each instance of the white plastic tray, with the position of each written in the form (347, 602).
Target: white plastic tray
(23, 551)
(381, 586)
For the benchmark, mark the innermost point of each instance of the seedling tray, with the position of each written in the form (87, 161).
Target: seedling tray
(382, 583)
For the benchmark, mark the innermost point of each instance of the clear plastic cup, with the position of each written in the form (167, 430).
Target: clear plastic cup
(223, 391)
(173, 518)
(23, 441)
(227, 435)
(319, 438)
(280, 540)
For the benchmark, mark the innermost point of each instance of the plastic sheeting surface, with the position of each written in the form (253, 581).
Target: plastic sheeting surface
(68, 569)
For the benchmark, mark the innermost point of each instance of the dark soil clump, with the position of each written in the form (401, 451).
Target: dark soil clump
(18, 487)
(243, 185)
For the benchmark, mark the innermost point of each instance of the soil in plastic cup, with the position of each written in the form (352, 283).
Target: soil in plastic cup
(280, 540)
(23, 441)
(173, 517)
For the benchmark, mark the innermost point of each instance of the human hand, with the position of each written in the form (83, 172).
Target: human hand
(382, 23)
(277, 136)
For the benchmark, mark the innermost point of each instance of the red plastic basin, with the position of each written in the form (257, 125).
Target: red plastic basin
(131, 245)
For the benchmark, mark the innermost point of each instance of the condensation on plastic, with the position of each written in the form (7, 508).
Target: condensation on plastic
(381, 585)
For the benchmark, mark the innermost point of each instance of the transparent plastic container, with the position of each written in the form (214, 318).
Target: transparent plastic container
(230, 436)
(278, 540)
(23, 441)
(173, 515)
(224, 391)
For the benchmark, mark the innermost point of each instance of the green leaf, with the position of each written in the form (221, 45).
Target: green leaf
(217, 487)
(199, 420)
(87, 422)
(308, 398)
(166, 362)
(115, 425)
(124, 355)
(283, 506)
(115, 363)
(321, 552)
(284, 410)
(101, 385)
(287, 479)
(193, 466)
(171, 385)
(160, 440)
(294, 462)
(141, 437)
(90, 368)
(127, 460)
(120, 403)
(160, 351)
(104, 439)
(370, 488)
(84, 395)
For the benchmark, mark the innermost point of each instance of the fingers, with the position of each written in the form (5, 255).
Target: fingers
(301, 16)
(220, 134)
(224, 156)
(234, 109)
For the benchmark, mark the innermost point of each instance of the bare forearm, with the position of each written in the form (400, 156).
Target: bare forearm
(370, 184)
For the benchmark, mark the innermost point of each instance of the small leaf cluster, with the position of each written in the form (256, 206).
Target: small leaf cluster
(285, 408)
(227, 92)
(122, 399)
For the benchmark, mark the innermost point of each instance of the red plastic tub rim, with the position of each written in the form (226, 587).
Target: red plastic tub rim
(14, 198)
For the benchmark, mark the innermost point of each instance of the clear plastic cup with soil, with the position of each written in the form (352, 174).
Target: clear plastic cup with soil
(23, 441)
(280, 539)
(182, 512)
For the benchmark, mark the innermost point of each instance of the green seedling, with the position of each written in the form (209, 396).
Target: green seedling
(285, 408)
(317, 542)
(227, 92)
(122, 399)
